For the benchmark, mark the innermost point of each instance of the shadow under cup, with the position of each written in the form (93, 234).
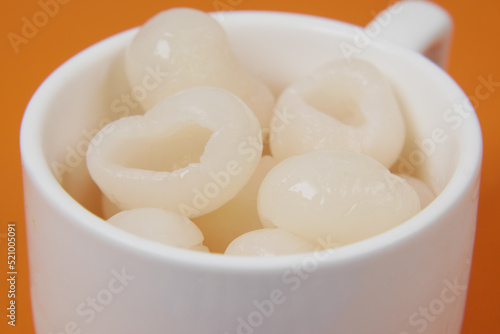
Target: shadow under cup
(89, 276)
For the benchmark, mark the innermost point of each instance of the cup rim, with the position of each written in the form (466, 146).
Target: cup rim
(37, 167)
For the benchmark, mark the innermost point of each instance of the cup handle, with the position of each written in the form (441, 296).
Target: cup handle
(418, 25)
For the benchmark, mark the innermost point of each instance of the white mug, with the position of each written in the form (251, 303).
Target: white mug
(89, 277)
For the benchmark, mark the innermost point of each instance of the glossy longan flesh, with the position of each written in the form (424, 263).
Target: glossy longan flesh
(237, 216)
(191, 153)
(183, 48)
(339, 195)
(161, 226)
(424, 192)
(269, 242)
(343, 105)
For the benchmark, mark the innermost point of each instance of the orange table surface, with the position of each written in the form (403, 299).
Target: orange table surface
(77, 24)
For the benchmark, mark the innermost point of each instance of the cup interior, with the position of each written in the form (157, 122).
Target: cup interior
(442, 147)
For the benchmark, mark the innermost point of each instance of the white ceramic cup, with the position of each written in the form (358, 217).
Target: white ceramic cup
(89, 277)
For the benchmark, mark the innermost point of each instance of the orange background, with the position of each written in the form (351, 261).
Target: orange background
(80, 23)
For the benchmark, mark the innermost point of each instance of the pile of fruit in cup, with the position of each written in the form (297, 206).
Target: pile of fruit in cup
(218, 163)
